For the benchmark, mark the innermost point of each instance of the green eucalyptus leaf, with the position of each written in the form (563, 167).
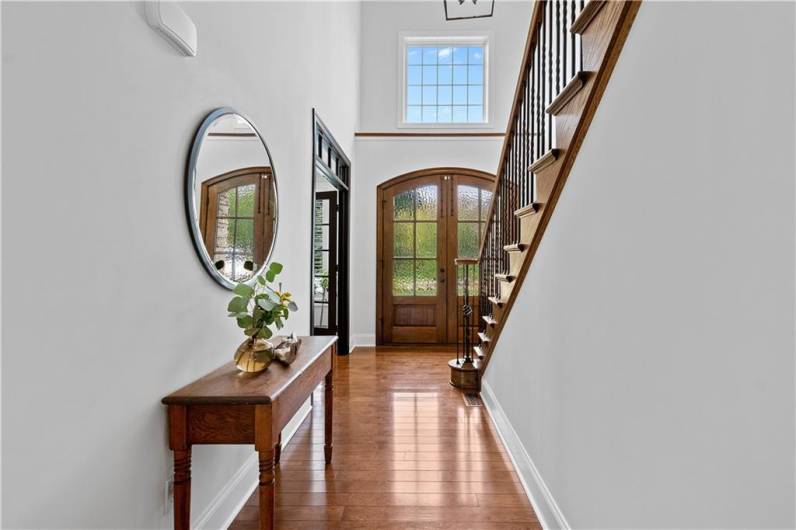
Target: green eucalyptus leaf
(238, 305)
(260, 279)
(266, 304)
(265, 333)
(270, 275)
(249, 332)
(244, 290)
(292, 306)
(245, 321)
(275, 267)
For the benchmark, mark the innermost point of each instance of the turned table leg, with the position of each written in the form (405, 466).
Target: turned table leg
(182, 489)
(264, 445)
(266, 491)
(328, 416)
(278, 449)
(178, 442)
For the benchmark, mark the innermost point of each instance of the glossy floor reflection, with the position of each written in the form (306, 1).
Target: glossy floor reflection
(408, 454)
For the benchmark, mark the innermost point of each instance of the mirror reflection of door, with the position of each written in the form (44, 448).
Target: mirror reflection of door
(325, 263)
(236, 220)
(427, 220)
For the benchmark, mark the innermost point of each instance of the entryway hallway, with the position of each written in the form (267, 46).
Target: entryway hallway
(408, 454)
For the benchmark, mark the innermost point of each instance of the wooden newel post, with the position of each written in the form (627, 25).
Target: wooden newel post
(464, 370)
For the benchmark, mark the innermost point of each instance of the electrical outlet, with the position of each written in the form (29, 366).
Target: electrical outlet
(168, 496)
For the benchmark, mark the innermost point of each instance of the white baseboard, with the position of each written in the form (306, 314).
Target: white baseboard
(222, 510)
(361, 340)
(548, 512)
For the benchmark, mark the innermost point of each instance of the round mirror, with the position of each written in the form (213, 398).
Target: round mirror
(231, 197)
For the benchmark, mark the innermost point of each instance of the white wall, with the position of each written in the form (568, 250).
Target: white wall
(379, 159)
(111, 307)
(648, 364)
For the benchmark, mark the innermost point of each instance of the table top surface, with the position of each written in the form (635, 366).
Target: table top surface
(228, 385)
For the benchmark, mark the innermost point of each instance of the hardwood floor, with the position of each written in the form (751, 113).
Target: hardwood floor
(408, 454)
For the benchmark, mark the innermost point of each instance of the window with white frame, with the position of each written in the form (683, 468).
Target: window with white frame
(444, 81)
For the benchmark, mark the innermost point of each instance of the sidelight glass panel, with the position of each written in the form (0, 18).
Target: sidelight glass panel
(321, 263)
(246, 201)
(467, 203)
(426, 240)
(403, 206)
(403, 277)
(467, 240)
(321, 238)
(403, 240)
(426, 203)
(426, 277)
(321, 212)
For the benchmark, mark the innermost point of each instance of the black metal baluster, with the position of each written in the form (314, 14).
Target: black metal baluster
(558, 46)
(549, 74)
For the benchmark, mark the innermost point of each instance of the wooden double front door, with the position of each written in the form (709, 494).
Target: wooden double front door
(427, 219)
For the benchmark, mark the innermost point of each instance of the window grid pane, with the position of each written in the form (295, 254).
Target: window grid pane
(444, 84)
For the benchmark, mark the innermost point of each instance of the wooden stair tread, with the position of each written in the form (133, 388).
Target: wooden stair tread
(527, 210)
(479, 352)
(543, 161)
(504, 277)
(590, 11)
(497, 301)
(516, 247)
(489, 320)
(567, 93)
(484, 337)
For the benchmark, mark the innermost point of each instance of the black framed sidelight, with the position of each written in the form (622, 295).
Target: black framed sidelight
(329, 280)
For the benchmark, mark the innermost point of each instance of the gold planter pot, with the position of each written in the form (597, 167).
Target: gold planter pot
(254, 357)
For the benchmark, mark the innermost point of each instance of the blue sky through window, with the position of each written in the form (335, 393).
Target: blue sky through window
(445, 84)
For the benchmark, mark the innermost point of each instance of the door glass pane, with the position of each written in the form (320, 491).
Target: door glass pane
(426, 277)
(225, 235)
(226, 203)
(426, 240)
(246, 200)
(403, 240)
(472, 279)
(467, 201)
(486, 203)
(427, 203)
(467, 240)
(244, 236)
(403, 206)
(402, 277)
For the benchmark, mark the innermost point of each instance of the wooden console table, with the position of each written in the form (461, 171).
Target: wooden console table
(228, 406)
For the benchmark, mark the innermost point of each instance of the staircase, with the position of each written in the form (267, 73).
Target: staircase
(570, 53)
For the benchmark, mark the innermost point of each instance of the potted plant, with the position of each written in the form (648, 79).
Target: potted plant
(257, 308)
